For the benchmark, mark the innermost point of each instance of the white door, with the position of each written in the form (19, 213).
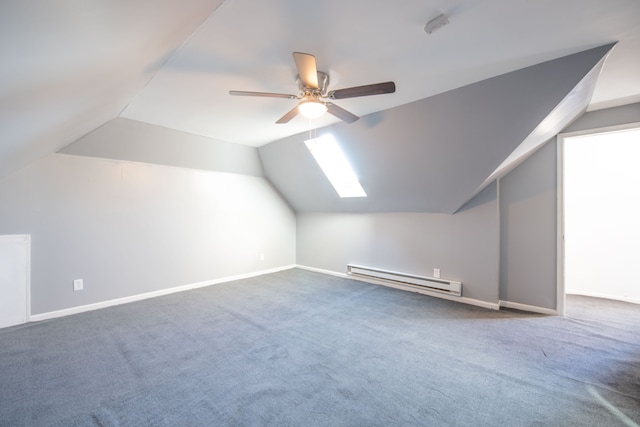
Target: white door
(14, 279)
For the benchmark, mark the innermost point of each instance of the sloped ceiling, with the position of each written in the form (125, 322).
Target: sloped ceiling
(69, 67)
(126, 139)
(433, 155)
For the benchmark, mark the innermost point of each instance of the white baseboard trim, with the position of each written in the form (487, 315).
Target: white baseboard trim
(603, 296)
(529, 308)
(464, 300)
(147, 295)
(320, 270)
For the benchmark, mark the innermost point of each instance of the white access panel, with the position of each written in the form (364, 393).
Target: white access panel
(14, 279)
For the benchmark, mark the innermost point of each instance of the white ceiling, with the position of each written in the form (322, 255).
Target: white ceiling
(69, 66)
(247, 45)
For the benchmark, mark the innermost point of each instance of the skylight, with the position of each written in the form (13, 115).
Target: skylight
(335, 166)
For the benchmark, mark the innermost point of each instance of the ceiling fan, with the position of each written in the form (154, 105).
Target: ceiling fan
(312, 85)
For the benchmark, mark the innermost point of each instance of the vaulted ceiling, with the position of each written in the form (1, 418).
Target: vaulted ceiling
(69, 67)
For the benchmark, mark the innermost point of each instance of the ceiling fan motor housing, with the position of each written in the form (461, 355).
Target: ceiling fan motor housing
(323, 84)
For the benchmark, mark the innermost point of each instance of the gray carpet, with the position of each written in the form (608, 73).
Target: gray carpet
(297, 348)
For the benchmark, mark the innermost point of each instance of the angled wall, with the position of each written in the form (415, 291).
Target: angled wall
(126, 139)
(431, 155)
(565, 113)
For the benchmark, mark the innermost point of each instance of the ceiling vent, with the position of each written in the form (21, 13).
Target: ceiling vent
(436, 23)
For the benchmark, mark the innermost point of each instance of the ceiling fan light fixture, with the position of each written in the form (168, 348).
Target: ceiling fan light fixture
(312, 109)
(312, 86)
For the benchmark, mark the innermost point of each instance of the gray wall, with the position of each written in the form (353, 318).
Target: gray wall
(464, 246)
(528, 216)
(129, 228)
(511, 256)
(433, 155)
(126, 139)
(528, 231)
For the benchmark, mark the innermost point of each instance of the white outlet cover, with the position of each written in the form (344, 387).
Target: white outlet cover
(436, 273)
(78, 285)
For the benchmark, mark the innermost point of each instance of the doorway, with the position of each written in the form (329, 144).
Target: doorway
(599, 207)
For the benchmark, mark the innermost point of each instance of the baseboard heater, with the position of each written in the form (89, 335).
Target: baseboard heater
(427, 283)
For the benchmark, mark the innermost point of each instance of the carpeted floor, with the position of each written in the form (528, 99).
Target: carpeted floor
(298, 348)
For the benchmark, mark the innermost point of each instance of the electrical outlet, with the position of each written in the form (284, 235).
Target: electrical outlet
(436, 273)
(78, 285)
(261, 257)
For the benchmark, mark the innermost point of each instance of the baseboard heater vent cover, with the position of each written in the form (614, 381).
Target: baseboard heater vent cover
(451, 287)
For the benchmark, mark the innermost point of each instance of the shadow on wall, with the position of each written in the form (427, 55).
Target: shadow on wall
(487, 195)
(373, 119)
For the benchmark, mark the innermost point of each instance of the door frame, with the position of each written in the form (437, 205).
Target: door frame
(560, 282)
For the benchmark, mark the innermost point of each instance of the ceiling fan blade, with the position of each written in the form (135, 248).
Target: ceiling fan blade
(366, 90)
(290, 115)
(307, 70)
(341, 113)
(263, 94)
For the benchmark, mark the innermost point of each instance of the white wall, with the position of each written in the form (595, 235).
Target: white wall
(601, 211)
(129, 228)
